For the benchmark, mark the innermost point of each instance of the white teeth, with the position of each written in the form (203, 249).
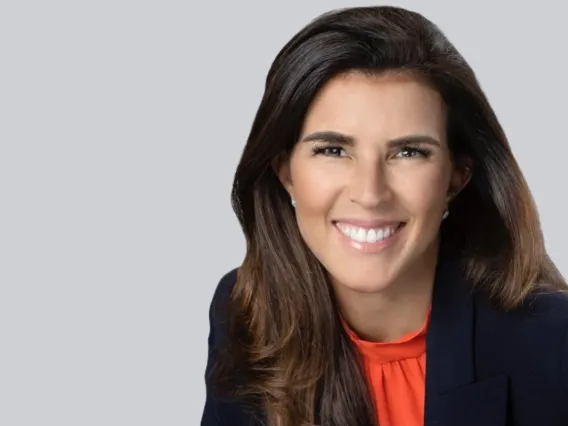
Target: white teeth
(362, 235)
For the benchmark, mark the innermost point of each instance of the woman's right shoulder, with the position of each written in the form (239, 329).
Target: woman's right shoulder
(221, 295)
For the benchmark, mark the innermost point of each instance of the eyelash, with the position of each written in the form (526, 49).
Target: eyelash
(325, 150)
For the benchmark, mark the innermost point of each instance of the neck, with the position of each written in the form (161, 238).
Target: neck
(395, 311)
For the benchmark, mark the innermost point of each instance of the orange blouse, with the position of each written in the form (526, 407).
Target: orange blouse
(396, 373)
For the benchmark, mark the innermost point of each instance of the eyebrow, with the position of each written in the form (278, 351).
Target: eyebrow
(342, 139)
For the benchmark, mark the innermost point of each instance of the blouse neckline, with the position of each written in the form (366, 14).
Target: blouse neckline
(410, 345)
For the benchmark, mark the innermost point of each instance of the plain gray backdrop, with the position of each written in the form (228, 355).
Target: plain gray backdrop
(121, 124)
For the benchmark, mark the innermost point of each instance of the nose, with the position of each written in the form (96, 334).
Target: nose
(369, 185)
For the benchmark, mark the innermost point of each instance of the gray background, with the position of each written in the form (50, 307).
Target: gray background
(121, 124)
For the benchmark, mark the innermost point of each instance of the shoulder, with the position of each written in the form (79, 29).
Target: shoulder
(218, 305)
(218, 319)
(551, 301)
(543, 316)
(223, 291)
(530, 340)
(219, 410)
(226, 283)
(541, 312)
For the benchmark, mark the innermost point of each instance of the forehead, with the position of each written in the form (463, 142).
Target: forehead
(380, 106)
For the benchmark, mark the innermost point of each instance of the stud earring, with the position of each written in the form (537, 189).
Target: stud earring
(293, 202)
(447, 211)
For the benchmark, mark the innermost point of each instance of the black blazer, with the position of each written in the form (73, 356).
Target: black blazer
(484, 367)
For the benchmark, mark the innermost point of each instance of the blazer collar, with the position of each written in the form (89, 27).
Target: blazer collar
(454, 395)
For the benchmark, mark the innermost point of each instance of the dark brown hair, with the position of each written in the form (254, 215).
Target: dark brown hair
(286, 345)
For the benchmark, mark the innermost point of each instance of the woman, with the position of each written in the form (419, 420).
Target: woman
(395, 271)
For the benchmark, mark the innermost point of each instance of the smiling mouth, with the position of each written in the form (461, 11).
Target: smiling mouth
(366, 235)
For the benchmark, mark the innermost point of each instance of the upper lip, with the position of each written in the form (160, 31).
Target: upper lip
(373, 223)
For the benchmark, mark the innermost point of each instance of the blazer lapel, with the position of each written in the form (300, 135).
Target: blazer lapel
(453, 395)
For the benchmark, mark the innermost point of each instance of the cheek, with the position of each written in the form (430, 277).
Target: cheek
(315, 189)
(315, 195)
(424, 194)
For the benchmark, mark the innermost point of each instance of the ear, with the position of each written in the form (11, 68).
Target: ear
(461, 175)
(281, 167)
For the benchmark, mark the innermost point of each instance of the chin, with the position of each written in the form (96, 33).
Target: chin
(362, 283)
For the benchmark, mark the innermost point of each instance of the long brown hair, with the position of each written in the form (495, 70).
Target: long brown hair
(286, 344)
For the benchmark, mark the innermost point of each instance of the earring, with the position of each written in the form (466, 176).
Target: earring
(293, 202)
(447, 211)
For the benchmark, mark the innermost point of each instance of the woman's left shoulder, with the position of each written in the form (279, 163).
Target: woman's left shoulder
(541, 308)
(539, 324)
(550, 307)
(529, 343)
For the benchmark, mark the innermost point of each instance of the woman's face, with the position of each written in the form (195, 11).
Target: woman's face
(371, 175)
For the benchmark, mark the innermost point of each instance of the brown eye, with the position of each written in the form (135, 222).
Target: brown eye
(410, 152)
(330, 151)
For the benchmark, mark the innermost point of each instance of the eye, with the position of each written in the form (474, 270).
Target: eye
(329, 151)
(411, 152)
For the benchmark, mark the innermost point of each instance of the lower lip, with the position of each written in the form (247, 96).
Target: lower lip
(371, 247)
